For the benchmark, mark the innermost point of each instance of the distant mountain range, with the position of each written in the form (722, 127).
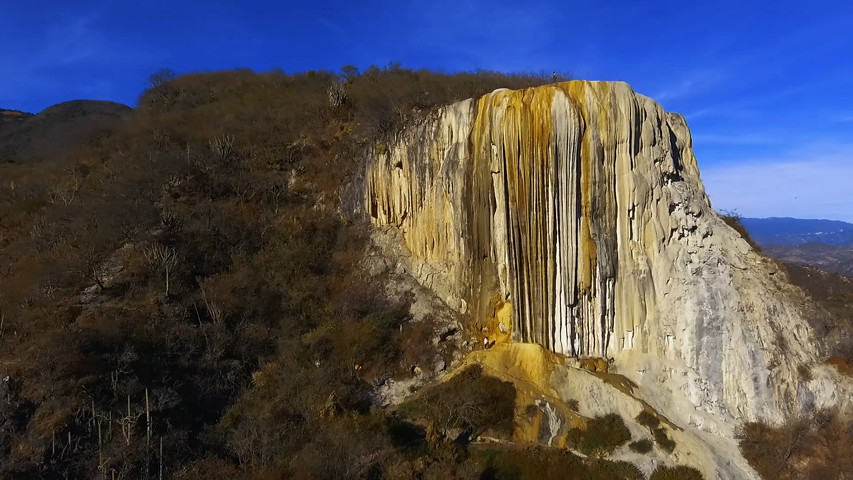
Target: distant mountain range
(797, 231)
(824, 244)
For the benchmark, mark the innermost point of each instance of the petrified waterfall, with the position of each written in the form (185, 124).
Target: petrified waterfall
(531, 198)
(545, 179)
(572, 215)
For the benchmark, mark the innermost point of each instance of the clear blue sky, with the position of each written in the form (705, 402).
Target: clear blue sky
(765, 86)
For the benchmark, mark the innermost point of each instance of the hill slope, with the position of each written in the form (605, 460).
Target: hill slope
(9, 118)
(59, 129)
(825, 257)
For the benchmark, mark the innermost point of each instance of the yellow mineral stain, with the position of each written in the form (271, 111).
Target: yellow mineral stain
(529, 367)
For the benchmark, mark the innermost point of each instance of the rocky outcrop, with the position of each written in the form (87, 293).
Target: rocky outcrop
(573, 216)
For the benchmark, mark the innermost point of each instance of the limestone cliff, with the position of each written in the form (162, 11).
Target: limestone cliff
(573, 216)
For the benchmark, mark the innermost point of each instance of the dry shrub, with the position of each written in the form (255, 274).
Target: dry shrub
(208, 467)
(470, 403)
(733, 220)
(601, 437)
(805, 372)
(641, 446)
(819, 446)
(648, 419)
(551, 464)
(676, 473)
(663, 440)
(416, 343)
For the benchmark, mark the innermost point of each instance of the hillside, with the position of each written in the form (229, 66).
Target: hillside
(825, 257)
(58, 130)
(12, 117)
(232, 280)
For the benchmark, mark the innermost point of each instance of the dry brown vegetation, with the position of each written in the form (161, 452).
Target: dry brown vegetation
(676, 473)
(466, 406)
(832, 311)
(551, 464)
(817, 447)
(601, 436)
(733, 220)
(641, 446)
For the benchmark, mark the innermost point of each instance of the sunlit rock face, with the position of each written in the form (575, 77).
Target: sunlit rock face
(576, 209)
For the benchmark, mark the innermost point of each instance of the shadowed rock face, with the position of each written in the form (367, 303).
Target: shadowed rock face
(574, 212)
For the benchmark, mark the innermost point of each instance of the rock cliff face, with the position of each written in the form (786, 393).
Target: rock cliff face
(573, 216)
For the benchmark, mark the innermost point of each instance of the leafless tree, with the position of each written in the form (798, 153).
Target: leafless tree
(161, 260)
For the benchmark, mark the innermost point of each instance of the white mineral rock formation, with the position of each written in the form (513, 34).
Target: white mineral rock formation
(579, 208)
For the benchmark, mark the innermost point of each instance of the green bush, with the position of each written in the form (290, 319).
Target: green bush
(676, 473)
(641, 446)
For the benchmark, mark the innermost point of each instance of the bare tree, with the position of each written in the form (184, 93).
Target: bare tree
(337, 94)
(161, 77)
(161, 260)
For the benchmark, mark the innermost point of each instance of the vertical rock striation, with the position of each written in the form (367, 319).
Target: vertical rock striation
(578, 208)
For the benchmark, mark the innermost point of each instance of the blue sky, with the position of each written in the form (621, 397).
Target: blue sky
(765, 86)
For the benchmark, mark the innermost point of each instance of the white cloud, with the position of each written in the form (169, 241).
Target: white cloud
(812, 183)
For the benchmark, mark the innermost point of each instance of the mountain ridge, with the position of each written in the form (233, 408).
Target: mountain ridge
(797, 231)
(57, 129)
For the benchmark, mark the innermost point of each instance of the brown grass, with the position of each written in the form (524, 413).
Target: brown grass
(819, 446)
(844, 366)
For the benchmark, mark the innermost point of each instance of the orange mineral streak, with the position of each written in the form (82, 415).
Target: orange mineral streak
(514, 133)
(524, 143)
